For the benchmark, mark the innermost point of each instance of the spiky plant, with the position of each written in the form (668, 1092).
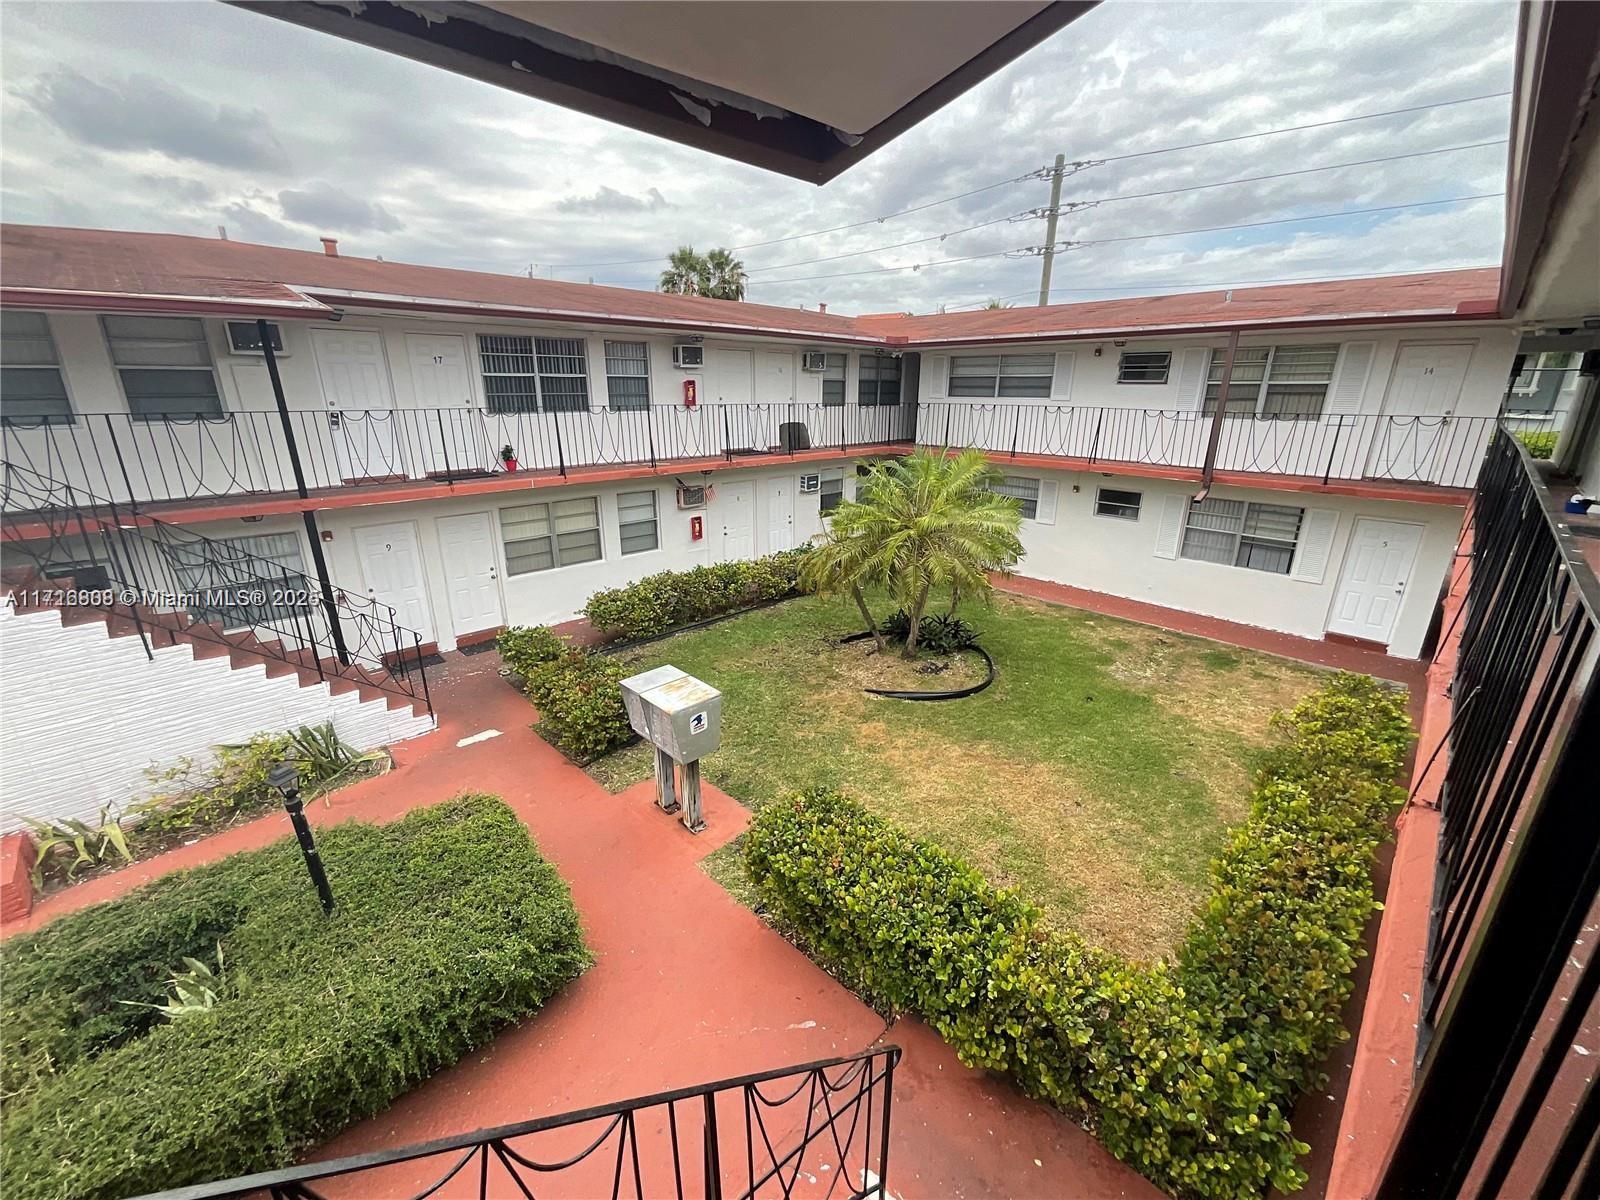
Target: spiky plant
(928, 521)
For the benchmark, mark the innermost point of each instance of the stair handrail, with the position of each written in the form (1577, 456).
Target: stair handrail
(135, 553)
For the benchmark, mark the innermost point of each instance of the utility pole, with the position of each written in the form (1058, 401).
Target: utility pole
(1050, 229)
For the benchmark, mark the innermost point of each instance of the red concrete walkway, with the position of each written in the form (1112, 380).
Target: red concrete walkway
(688, 986)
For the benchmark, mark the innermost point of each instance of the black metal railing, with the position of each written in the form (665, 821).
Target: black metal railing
(1504, 1104)
(817, 1129)
(1411, 449)
(86, 552)
(136, 459)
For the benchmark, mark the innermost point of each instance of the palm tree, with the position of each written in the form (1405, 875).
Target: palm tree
(725, 275)
(839, 564)
(686, 273)
(929, 520)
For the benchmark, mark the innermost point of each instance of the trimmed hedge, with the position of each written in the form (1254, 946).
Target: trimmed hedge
(524, 648)
(579, 698)
(1188, 1069)
(658, 603)
(449, 926)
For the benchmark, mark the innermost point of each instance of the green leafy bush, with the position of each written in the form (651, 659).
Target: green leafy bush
(1539, 443)
(1189, 1069)
(524, 647)
(449, 926)
(658, 603)
(579, 698)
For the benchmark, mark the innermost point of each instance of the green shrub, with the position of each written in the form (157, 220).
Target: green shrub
(579, 698)
(525, 647)
(658, 603)
(449, 926)
(1188, 1070)
(1539, 443)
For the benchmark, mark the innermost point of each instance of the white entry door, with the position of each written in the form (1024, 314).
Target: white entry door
(1416, 438)
(471, 573)
(1377, 570)
(391, 564)
(448, 434)
(735, 510)
(780, 514)
(356, 388)
(730, 376)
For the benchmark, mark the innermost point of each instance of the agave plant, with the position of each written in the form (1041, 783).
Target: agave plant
(92, 844)
(322, 755)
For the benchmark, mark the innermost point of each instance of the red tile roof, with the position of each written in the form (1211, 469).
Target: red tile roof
(1434, 294)
(81, 268)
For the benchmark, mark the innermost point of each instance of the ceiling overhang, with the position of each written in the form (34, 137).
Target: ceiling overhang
(806, 89)
(1552, 247)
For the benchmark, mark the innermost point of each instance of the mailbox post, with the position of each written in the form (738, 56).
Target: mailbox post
(682, 718)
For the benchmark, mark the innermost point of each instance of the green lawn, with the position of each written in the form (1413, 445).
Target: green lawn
(1098, 775)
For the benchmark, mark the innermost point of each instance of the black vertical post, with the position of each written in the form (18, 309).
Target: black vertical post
(1222, 407)
(285, 777)
(313, 535)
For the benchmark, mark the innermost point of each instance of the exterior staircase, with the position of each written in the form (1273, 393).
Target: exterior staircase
(128, 645)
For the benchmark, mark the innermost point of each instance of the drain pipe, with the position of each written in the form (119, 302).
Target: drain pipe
(1215, 439)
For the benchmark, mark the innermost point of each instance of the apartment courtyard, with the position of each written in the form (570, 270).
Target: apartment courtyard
(1098, 775)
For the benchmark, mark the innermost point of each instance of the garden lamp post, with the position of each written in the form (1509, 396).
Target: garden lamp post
(286, 778)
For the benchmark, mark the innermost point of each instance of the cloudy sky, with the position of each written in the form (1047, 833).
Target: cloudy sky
(181, 116)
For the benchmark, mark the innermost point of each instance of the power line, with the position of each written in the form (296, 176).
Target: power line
(1354, 212)
(1043, 172)
(1028, 250)
(1393, 112)
(905, 212)
(1075, 205)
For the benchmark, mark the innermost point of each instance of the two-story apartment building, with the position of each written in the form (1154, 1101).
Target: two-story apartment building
(432, 455)
(650, 432)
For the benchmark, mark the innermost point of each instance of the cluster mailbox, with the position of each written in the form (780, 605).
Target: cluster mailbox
(682, 718)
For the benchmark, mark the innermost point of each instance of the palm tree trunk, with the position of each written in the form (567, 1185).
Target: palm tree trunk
(910, 652)
(866, 615)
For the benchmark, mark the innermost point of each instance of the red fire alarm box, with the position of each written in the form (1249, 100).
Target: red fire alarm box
(690, 399)
(697, 528)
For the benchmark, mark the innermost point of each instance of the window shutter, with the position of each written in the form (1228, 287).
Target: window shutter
(1350, 377)
(1045, 511)
(1192, 380)
(938, 371)
(1170, 532)
(1316, 545)
(1061, 381)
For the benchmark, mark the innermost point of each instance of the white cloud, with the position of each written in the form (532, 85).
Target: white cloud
(283, 134)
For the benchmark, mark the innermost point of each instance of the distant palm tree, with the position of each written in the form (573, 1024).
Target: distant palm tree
(997, 304)
(726, 275)
(717, 274)
(928, 520)
(686, 273)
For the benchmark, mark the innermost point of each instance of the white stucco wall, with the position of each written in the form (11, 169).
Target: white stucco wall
(558, 594)
(83, 714)
(1119, 557)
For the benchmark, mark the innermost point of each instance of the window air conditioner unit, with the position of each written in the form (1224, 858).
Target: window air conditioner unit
(813, 360)
(688, 354)
(810, 484)
(691, 495)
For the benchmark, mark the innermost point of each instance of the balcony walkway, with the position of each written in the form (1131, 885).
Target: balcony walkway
(688, 986)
